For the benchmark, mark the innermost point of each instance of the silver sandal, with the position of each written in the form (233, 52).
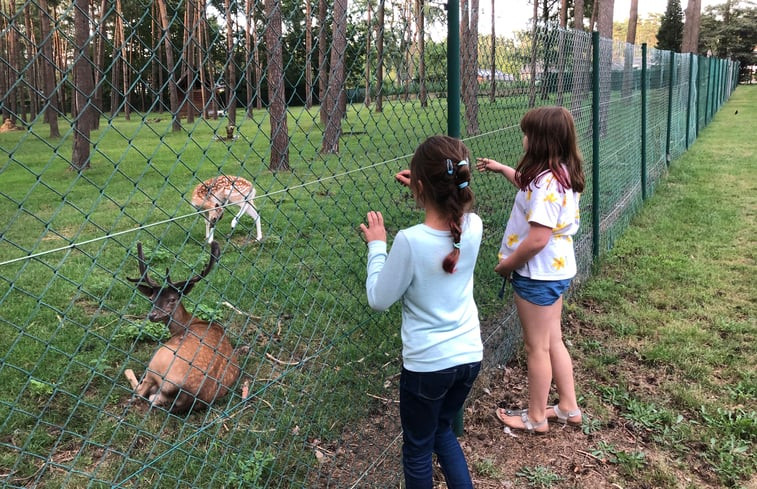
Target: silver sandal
(564, 417)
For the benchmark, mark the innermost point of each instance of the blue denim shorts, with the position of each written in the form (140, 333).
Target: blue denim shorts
(539, 292)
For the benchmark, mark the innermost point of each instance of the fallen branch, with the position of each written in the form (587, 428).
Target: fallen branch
(280, 362)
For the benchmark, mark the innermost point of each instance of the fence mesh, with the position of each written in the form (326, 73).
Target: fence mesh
(114, 112)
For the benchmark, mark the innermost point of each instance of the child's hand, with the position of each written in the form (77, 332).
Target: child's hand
(487, 164)
(403, 177)
(375, 230)
(502, 269)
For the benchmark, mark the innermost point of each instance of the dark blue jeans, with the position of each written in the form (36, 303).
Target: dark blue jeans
(429, 402)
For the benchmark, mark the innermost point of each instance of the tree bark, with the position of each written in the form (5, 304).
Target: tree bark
(471, 107)
(691, 27)
(48, 70)
(276, 96)
(309, 53)
(380, 57)
(334, 110)
(367, 97)
(323, 72)
(170, 66)
(423, 92)
(231, 70)
(83, 87)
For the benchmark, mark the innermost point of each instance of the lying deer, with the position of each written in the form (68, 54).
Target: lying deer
(214, 194)
(198, 361)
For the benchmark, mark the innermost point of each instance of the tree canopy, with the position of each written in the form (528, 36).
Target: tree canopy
(670, 35)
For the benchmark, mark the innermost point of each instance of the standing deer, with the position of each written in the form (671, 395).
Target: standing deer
(198, 361)
(214, 194)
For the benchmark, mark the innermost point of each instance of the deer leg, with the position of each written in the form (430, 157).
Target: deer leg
(129, 374)
(242, 211)
(209, 229)
(253, 213)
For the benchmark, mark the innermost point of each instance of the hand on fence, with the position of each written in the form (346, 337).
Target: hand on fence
(403, 177)
(375, 230)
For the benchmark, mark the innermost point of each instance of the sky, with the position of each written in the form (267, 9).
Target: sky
(517, 13)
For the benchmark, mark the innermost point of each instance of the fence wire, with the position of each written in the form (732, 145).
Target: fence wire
(113, 112)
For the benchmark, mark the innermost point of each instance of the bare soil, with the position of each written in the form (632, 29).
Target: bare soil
(369, 457)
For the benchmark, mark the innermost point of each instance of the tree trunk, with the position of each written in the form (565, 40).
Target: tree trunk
(534, 32)
(561, 51)
(493, 94)
(423, 92)
(691, 27)
(380, 57)
(633, 19)
(471, 107)
(334, 110)
(367, 97)
(605, 63)
(323, 74)
(48, 70)
(83, 87)
(188, 71)
(276, 96)
(100, 41)
(170, 66)
(12, 98)
(231, 70)
(309, 53)
(580, 61)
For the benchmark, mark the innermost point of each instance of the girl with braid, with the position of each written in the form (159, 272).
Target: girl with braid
(430, 269)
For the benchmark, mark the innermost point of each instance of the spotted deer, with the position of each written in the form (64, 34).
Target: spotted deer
(197, 364)
(214, 194)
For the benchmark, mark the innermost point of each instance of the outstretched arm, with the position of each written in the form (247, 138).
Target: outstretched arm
(487, 164)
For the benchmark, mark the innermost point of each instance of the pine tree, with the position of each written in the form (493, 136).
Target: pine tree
(670, 35)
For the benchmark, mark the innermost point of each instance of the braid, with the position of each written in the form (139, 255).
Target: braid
(441, 165)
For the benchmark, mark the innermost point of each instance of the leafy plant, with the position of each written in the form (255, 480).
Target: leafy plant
(608, 453)
(538, 476)
(206, 312)
(39, 388)
(144, 331)
(250, 472)
(487, 468)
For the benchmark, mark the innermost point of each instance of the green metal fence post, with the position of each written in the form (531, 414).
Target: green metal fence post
(453, 68)
(644, 121)
(670, 107)
(453, 107)
(707, 103)
(595, 142)
(688, 98)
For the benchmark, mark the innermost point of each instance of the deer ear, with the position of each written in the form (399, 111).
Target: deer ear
(146, 290)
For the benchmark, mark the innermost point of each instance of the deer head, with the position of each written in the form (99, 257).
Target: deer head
(166, 297)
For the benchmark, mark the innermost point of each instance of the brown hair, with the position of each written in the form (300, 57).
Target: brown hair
(445, 182)
(551, 143)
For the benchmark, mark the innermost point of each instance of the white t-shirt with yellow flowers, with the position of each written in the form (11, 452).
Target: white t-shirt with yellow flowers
(545, 202)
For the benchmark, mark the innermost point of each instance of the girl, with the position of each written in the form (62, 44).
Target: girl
(537, 256)
(430, 268)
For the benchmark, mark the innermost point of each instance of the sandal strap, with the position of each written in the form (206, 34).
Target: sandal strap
(530, 425)
(563, 416)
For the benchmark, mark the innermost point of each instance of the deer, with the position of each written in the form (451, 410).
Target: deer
(197, 364)
(214, 194)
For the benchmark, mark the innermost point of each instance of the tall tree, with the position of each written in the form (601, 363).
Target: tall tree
(323, 68)
(561, 51)
(48, 69)
(670, 35)
(580, 60)
(380, 56)
(691, 27)
(334, 109)
(231, 67)
(729, 30)
(633, 20)
(493, 65)
(173, 93)
(534, 44)
(422, 90)
(309, 53)
(604, 24)
(83, 88)
(276, 88)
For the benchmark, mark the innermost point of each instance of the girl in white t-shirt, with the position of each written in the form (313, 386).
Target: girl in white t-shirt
(537, 257)
(430, 269)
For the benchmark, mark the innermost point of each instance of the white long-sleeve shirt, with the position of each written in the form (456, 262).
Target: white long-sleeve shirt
(440, 325)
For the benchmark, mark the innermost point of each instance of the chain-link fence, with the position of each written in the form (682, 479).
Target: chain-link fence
(115, 111)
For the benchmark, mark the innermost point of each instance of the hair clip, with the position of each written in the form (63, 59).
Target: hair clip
(450, 168)
(462, 185)
(457, 245)
(463, 163)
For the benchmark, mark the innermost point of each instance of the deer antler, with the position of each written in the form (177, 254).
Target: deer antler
(186, 286)
(144, 277)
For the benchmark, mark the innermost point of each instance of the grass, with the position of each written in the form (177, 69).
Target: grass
(673, 310)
